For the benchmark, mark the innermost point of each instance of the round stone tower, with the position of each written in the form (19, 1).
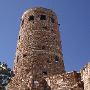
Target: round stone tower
(39, 51)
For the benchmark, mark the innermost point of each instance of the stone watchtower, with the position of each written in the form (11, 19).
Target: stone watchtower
(39, 51)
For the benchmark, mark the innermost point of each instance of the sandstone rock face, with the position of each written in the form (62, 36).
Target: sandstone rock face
(39, 51)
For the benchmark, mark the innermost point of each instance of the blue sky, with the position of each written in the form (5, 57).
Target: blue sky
(74, 17)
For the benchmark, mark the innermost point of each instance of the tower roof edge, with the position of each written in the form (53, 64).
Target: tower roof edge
(36, 8)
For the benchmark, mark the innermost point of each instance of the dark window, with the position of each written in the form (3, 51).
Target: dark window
(22, 22)
(79, 85)
(44, 73)
(48, 61)
(19, 37)
(59, 24)
(52, 20)
(43, 17)
(56, 59)
(31, 18)
(45, 27)
(43, 47)
(24, 55)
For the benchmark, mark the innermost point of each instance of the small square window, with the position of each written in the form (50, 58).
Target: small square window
(48, 61)
(44, 73)
(19, 37)
(43, 17)
(24, 55)
(45, 27)
(56, 59)
(31, 18)
(52, 20)
(43, 47)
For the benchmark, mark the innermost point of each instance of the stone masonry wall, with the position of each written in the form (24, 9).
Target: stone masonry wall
(85, 75)
(66, 81)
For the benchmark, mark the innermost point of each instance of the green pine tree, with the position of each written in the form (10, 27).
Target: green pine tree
(5, 75)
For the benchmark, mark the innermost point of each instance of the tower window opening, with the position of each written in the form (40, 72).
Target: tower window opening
(48, 61)
(44, 73)
(31, 18)
(19, 37)
(24, 55)
(56, 59)
(43, 17)
(22, 22)
(43, 47)
(45, 27)
(52, 20)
